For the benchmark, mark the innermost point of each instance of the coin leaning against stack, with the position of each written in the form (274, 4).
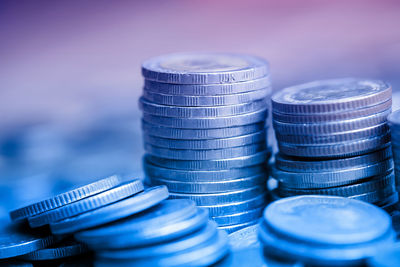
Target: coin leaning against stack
(204, 132)
(334, 139)
(121, 222)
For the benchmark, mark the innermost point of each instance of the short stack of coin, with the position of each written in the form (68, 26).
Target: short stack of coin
(204, 132)
(324, 231)
(121, 222)
(334, 139)
(394, 122)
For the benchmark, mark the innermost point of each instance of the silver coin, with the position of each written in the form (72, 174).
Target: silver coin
(299, 217)
(113, 212)
(233, 228)
(330, 127)
(377, 196)
(187, 154)
(87, 204)
(207, 89)
(323, 97)
(194, 111)
(389, 204)
(216, 186)
(368, 186)
(331, 178)
(221, 164)
(204, 68)
(347, 136)
(165, 248)
(138, 229)
(205, 123)
(163, 233)
(205, 101)
(65, 198)
(201, 134)
(63, 250)
(16, 239)
(219, 143)
(357, 147)
(202, 175)
(337, 116)
(237, 207)
(205, 254)
(221, 198)
(289, 164)
(239, 218)
(312, 255)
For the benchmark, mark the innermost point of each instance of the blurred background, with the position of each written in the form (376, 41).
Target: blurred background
(70, 71)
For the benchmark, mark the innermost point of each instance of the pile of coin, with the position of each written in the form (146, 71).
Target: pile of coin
(204, 132)
(324, 231)
(123, 223)
(394, 122)
(334, 139)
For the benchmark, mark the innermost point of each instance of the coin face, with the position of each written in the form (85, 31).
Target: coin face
(204, 63)
(327, 91)
(204, 68)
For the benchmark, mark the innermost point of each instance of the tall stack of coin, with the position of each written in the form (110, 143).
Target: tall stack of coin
(394, 122)
(334, 139)
(204, 131)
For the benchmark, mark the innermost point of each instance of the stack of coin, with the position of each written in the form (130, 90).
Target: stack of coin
(121, 222)
(204, 132)
(394, 122)
(324, 231)
(334, 139)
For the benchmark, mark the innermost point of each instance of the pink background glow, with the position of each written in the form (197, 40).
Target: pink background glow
(70, 71)
(65, 60)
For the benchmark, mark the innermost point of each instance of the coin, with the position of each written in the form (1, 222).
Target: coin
(341, 149)
(205, 154)
(290, 164)
(134, 230)
(337, 116)
(331, 127)
(207, 101)
(201, 134)
(221, 164)
(332, 178)
(208, 199)
(208, 122)
(64, 250)
(239, 218)
(118, 210)
(165, 248)
(65, 198)
(316, 230)
(322, 96)
(317, 219)
(216, 186)
(204, 68)
(215, 143)
(87, 204)
(202, 175)
(16, 239)
(207, 89)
